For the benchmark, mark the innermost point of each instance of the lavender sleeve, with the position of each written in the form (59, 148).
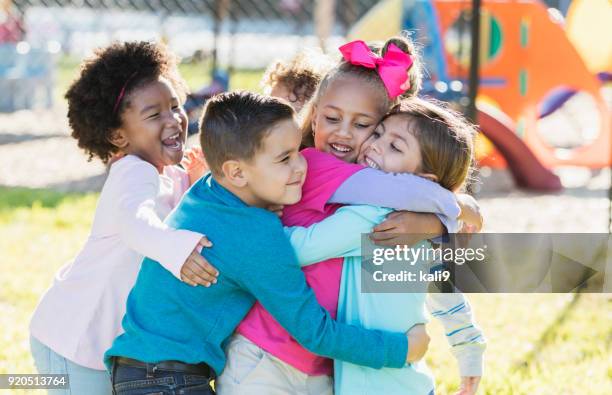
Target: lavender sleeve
(400, 192)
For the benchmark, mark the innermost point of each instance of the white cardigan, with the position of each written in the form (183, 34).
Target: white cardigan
(80, 315)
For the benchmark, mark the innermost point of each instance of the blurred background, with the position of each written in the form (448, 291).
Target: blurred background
(535, 75)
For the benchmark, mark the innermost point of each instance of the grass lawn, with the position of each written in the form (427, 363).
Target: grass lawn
(538, 344)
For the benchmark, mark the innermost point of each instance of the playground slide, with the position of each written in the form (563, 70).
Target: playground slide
(527, 170)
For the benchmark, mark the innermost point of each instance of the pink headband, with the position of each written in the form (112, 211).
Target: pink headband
(392, 68)
(122, 93)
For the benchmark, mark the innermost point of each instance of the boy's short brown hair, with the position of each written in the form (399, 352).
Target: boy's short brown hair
(234, 125)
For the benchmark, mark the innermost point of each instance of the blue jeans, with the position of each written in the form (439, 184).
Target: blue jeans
(82, 380)
(131, 380)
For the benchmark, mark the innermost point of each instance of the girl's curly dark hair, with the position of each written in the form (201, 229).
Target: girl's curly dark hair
(93, 95)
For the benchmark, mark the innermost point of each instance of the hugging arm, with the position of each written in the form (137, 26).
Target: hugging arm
(140, 227)
(400, 192)
(282, 289)
(338, 235)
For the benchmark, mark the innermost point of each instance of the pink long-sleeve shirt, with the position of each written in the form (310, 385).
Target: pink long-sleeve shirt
(80, 315)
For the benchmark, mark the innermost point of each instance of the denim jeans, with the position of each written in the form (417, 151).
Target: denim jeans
(131, 380)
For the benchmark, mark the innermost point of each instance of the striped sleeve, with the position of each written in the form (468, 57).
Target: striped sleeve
(463, 334)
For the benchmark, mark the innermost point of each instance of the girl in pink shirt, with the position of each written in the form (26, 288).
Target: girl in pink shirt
(348, 104)
(125, 104)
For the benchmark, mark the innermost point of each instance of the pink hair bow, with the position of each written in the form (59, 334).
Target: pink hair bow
(392, 68)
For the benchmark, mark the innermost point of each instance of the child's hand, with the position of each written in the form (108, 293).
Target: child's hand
(194, 164)
(406, 228)
(469, 385)
(196, 270)
(470, 214)
(418, 342)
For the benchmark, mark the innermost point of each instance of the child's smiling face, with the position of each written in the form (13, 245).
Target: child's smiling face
(154, 125)
(392, 147)
(345, 116)
(276, 173)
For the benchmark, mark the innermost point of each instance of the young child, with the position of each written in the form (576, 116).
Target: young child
(422, 138)
(175, 334)
(348, 104)
(296, 80)
(440, 147)
(126, 103)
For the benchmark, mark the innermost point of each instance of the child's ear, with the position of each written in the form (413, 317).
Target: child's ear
(232, 170)
(118, 139)
(429, 176)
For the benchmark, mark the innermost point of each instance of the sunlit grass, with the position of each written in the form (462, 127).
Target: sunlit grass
(39, 231)
(537, 344)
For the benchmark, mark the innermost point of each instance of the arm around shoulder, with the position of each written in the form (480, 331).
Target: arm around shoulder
(397, 191)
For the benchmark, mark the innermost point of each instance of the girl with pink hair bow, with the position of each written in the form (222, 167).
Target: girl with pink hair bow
(350, 101)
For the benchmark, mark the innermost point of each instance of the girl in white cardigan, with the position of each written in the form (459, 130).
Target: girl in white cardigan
(125, 104)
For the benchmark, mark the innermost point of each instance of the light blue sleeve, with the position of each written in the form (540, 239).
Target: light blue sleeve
(400, 192)
(338, 235)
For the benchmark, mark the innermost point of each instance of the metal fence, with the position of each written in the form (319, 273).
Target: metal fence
(236, 33)
(347, 11)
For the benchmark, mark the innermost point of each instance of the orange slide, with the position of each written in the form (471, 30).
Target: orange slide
(524, 57)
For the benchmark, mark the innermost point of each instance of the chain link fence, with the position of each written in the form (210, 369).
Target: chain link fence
(245, 34)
